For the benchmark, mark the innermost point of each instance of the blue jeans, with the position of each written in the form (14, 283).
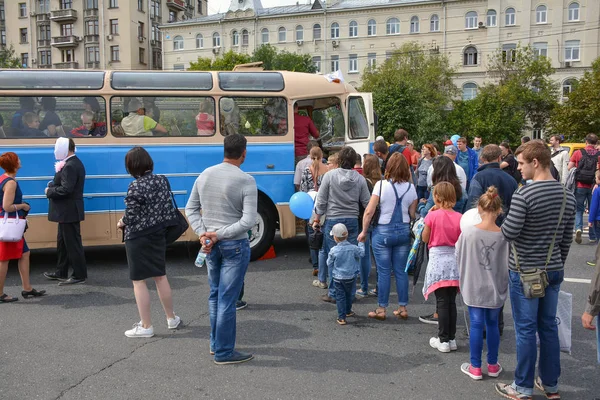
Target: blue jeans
(322, 260)
(391, 245)
(422, 192)
(227, 264)
(531, 316)
(594, 231)
(314, 254)
(583, 196)
(484, 318)
(365, 265)
(329, 242)
(344, 295)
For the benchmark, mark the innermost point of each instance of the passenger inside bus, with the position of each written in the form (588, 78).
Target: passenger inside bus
(51, 124)
(31, 125)
(2, 133)
(151, 109)
(205, 120)
(90, 126)
(304, 128)
(27, 105)
(274, 121)
(230, 116)
(92, 104)
(136, 123)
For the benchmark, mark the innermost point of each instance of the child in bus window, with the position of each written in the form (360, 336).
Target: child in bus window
(31, 125)
(51, 124)
(90, 126)
(205, 120)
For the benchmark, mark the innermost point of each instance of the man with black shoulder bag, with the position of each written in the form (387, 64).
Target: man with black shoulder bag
(539, 226)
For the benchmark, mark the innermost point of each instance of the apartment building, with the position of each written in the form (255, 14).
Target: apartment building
(92, 34)
(348, 35)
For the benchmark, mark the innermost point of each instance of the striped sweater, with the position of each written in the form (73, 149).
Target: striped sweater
(531, 223)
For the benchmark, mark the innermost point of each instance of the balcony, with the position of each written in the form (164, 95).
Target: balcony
(67, 65)
(157, 44)
(43, 42)
(92, 39)
(45, 66)
(66, 15)
(90, 13)
(156, 18)
(65, 41)
(93, 65)
(176, 5)
(42, 18)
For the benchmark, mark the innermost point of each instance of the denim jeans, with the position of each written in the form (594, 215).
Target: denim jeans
(480, 318)
(329, 242)
(583, 196)
(344, 295)
(422, 192)
(594, 230)
(227, 264)
(365, 265)
(322, 260)
(314, 254)
(391, 245)
(533, 316)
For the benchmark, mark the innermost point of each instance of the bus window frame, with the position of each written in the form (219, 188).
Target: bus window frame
(251, 90)
(212, 84)
(66, 87)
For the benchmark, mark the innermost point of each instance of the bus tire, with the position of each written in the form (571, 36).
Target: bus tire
(263, 232)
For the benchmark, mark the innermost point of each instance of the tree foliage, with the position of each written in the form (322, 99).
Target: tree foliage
(412, 90)
(272, 60)
(9, 59)
(580, 114)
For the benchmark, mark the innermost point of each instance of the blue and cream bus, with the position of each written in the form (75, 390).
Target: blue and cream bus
(197, 109)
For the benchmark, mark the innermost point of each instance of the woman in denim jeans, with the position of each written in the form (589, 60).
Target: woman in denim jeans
(397, 198)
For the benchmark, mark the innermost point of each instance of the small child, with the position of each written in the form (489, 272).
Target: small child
(441, 231)
(31, 125)
(344, 259)
(482, 255)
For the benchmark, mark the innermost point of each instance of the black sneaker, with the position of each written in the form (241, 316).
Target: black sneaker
(235, 358)
(429, 319)
(240, 305)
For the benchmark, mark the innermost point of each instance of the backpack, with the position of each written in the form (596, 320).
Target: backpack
(586, 168)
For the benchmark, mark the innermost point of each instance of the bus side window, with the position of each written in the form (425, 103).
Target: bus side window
(253, 116)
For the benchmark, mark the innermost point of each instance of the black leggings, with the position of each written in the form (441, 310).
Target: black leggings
(446, 308)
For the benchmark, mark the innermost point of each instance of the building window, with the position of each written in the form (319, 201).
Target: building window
(45, 57)
(372, 60)
(113, 4)
(91, 27)
(335, 30)
(299, 33)
(316, 32)
(3, 37)
(216, 40)
(172, 16)
(178, 43)
(43, 8)
(371, 28)
(414, 24)
(567, 86)
(574, 11)
(44, 32)
(317, 63)
(155, 8)
(470, 56)
(541, 14)
(264, 36)
(92, 54)
(66, 4)
(245, 38)
(200, 7)
(142, 54)
(434, 23)
(335, 63)
(140, 5)
(23, 35)
(66, 30)
(114, 26)
(235, 38)
(199, 41)
(388, 54)
(469, 91)
(491, 18)
(2, 12)
(572, 50)
(68, 55)
(282, 33)
(25, 60)
(91, 4)
(22, 10)
(141, 30)
(155, 33)
(510, 17)
(471, 20)
(353, 29)
(114, 53)
(540, 49)
(179, 67)
(392, 26)
(509, 53)
(352, 63)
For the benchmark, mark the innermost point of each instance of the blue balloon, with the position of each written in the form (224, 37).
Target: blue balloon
(454, 139)
(301, 205)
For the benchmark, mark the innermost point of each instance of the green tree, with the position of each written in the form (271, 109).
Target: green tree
(9, 59)
(226, 62)
(267, 54)
(412, 90)
(580, 114)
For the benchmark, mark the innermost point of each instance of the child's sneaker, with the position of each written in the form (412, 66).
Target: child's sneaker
(453, 345)
(361, 293)
(471, 371)
(319, 284)
(341, 321)
(373, 292)
(350, 314)
(139, 331)
(443, 347)
(494, 370)
(173, 323)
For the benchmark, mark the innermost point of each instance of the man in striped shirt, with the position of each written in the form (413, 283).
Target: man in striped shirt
(531, 225)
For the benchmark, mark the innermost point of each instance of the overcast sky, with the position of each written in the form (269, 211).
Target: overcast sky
(213, 5)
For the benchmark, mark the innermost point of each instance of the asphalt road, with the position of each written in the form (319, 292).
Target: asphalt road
(70, 344)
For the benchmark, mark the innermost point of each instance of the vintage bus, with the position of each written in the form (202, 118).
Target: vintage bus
(197, 109)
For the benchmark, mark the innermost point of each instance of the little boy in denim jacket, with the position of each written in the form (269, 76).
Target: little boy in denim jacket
(344, 259)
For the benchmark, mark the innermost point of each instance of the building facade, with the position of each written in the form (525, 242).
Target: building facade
(103, 34)
(349, 35)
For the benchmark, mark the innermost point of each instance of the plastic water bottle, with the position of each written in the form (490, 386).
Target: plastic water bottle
(201, 257)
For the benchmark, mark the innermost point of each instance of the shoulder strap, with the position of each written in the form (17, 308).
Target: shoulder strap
(314, 177)
(396, 192)
(170, 191)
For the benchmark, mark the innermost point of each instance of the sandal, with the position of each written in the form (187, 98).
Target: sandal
(33, 293)
(4, 299)
(378, 314)
(401, 313)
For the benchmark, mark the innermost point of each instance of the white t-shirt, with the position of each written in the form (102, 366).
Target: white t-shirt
(462, 177)
(388, 200)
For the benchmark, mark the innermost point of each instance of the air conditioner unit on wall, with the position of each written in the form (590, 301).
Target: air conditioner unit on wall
(567, 64)
(109, 37)
(216, 49)
(481, 25)
(335, 43)
(299, 42)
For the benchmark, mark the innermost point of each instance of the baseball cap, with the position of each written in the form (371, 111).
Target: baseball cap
(339, 231)
(410, 142)
(450, 150)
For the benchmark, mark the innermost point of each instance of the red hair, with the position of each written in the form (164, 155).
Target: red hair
(9, 162)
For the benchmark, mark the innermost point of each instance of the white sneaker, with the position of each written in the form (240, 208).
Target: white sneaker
(453, 345)
(173, 323)
(442, 347)
(139, 331)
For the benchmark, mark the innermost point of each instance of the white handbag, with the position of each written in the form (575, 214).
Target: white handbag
(12, 229)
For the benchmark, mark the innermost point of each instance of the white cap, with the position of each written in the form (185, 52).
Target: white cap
(339, 231)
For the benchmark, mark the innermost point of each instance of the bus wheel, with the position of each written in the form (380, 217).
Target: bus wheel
(262, 234)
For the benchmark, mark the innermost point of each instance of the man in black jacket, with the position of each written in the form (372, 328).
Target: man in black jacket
(65, 195)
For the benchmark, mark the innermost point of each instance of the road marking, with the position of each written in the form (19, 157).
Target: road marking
(578, 280)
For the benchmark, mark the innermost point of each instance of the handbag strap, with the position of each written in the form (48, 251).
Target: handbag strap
(314, 178)
(170, 191)
(551, 248)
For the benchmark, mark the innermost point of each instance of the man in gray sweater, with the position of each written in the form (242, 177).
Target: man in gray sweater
(221, 209)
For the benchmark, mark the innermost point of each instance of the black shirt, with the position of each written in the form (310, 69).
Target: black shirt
(51, 118)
